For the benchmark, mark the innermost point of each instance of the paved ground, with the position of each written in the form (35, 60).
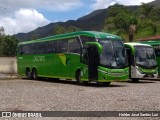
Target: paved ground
(46, 95)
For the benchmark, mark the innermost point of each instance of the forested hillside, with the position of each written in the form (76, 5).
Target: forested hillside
(130, 22)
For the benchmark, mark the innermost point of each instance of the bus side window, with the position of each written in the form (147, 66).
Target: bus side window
(61, 46)
(41, 48)
(20, 50)
(85, 39)
(74, 45)
(50, 47)
(33, 49)
(26, 49)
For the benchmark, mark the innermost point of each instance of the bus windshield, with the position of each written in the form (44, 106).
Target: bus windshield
(145, 57)
(113, 54)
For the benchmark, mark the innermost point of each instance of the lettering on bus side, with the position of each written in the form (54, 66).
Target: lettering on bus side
(20, 58)
(38, 58)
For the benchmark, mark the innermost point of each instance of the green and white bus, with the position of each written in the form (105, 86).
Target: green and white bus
(156, 46)
(142, 61)
(87, 56)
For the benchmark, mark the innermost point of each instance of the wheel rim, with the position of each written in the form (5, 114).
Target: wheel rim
(34, 74)
(28, 74)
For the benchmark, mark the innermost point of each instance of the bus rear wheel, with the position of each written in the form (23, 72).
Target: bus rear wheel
(34, 74)
(28, 74)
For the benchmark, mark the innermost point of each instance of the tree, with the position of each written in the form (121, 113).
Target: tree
(72, 29)
(2, 31)
(124, 23)
(62, 30)
(1, 45)
(127, 24)
(121, 21)
(8, 45)
(149, 15)
(59, 30)
(155, 14)
(146, 10)
(143, 22)
(116, 9)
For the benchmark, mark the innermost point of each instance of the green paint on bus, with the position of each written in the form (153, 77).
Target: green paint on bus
(84, 56)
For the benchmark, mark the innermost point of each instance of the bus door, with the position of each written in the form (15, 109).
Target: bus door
(90, 56)
(130, 60)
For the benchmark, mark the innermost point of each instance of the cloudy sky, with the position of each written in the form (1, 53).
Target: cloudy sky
(26, 15)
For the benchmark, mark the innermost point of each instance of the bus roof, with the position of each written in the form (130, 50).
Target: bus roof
(151, 42)
(95, 34)
(132, 45)
(136, 44)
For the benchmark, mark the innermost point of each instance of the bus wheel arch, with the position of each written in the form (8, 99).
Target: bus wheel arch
(34, 73)
(28, 73)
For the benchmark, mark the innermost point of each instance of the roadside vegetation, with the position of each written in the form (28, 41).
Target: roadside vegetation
(127, 23)
(130, 24)
(8, 45)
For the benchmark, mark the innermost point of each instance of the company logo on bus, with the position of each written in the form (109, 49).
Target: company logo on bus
(38, 58)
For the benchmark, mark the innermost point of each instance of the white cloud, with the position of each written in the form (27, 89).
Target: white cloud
(50, 5)
(23, 20)
(133, 2)
(23, 16)
(100, 4)
(61, 5)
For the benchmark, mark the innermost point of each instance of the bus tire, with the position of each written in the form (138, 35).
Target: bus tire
(34, 74)
(28, 74)
(78, 77)
(135, 80)
(106, 83)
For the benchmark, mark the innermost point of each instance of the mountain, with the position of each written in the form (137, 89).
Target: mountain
(156, 2)
(92, 21)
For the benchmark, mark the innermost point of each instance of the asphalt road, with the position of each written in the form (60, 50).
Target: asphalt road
(49, 95)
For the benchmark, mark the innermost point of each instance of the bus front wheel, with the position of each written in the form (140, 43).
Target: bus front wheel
(78, 78)
(135, 80)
